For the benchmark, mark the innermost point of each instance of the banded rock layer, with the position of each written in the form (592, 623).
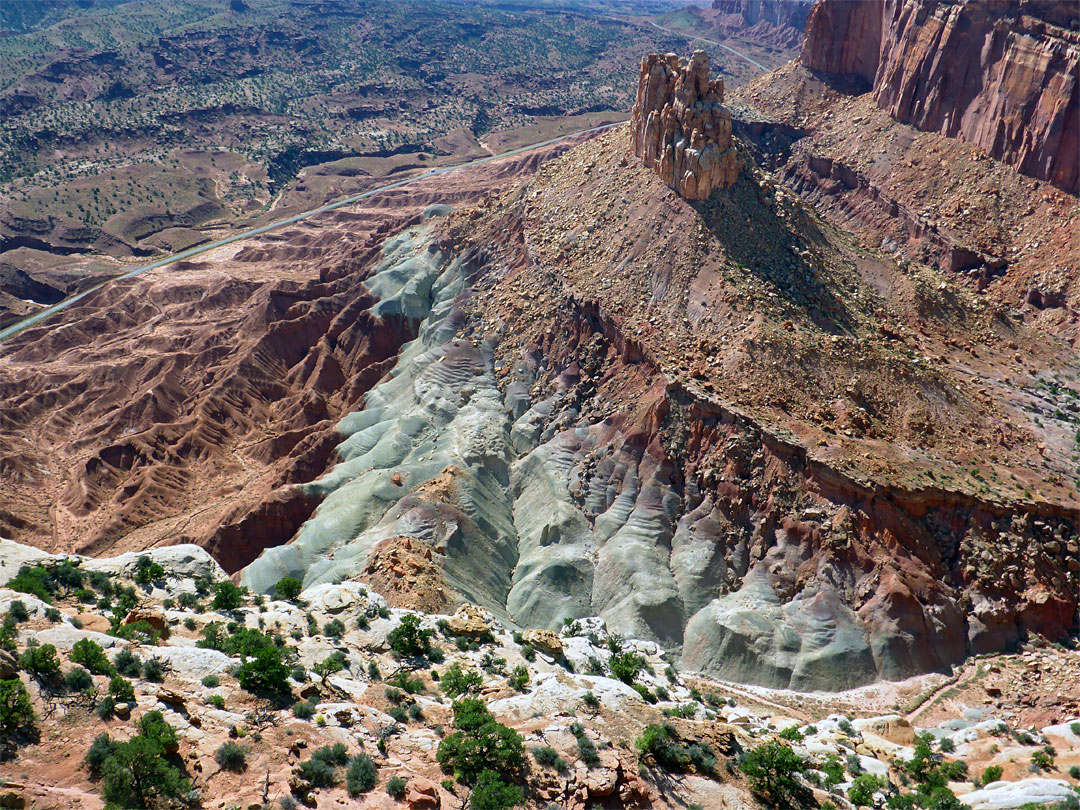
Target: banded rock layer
(1000, 75)
(679, 126)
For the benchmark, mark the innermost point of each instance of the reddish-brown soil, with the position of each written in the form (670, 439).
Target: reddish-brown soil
(187, 403)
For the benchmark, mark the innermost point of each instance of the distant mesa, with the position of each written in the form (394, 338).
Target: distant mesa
(680, 127)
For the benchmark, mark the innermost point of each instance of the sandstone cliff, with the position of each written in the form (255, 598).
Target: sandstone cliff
(679, 126)
(780, 13)
(1003, 75)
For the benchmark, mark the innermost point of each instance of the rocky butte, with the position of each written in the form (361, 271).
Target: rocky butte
(679, 126)
(999, 75)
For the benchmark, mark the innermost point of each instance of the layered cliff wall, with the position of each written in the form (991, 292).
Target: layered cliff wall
(783, 13)
(1000, 75)
(679, 126)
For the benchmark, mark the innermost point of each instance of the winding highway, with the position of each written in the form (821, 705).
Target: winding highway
(38, 317)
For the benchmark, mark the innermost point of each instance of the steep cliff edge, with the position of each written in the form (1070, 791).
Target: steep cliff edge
(1000, 75)
(779, 21)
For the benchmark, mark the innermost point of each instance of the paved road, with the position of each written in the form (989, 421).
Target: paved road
(693, 38)
(15, 328)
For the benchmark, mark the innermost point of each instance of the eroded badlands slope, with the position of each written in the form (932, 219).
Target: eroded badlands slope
(724, 426)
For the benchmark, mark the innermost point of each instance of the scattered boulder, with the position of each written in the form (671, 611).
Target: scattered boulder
(469, 621)
(422, 794)
(9, 667)
(545, 641)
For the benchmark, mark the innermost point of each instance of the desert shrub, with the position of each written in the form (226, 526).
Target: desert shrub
(78, 679)
(845, 726)
(492, 793)
(34, 580)
(264, 673)
(147, 571)
(8, 635)
(373, 671)
(1042, 760)
(946, 745)
(335, 662)
(319, 770)
(864, 787)
(793, 734)
(686, 711)
(127, 663)
(591, 701)
(211, 681)
(288, 588)
(991, 774)
(217, 701)
(546, 755)
(660, 743)
(587, 752)
(334, 628)
(626, 666)
(231, 756)
(479, 743)
(833, 769)
(89, 653)
(771, 769)
(456, 681)
(401, 680)
(398, 713)
(153, 670)
(140, 772)
(42, 662)
(409, 639)
(99, 751)
(361, 775)
(393, 694)
(416, 712)
(105, 707)
(17, 610)
(227, 596)
(1074, 772)
(519, 678)
(16, 710)
(395, 787)
(121, 689)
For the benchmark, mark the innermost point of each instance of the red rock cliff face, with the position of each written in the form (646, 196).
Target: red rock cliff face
(776, 12)
(1000, 75)
(679, 126)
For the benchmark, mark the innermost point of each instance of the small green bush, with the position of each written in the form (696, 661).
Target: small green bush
(334, 628)
(549, 757)
(153, 670)
(231, 756)
(771, 769)
(479, 743)
(303, 710)
(78, 679)
(140, 772)
(862, 790)
(89, 653)
(121, 689)
(127, 663)
(587, 752)
(991, 774)
(227, 596)
(211, 681)
(42, 662)
(455, 681)
(519, 678)
(99, 751)
(34, 580)
(288, 588)
(626, 666)
(409, 639)
(16, 710)
(361, 775)
(265, 673)
(492, 793)
(17, 610)
(395, 787)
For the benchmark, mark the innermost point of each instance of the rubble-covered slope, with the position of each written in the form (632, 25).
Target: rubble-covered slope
(724, 426)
